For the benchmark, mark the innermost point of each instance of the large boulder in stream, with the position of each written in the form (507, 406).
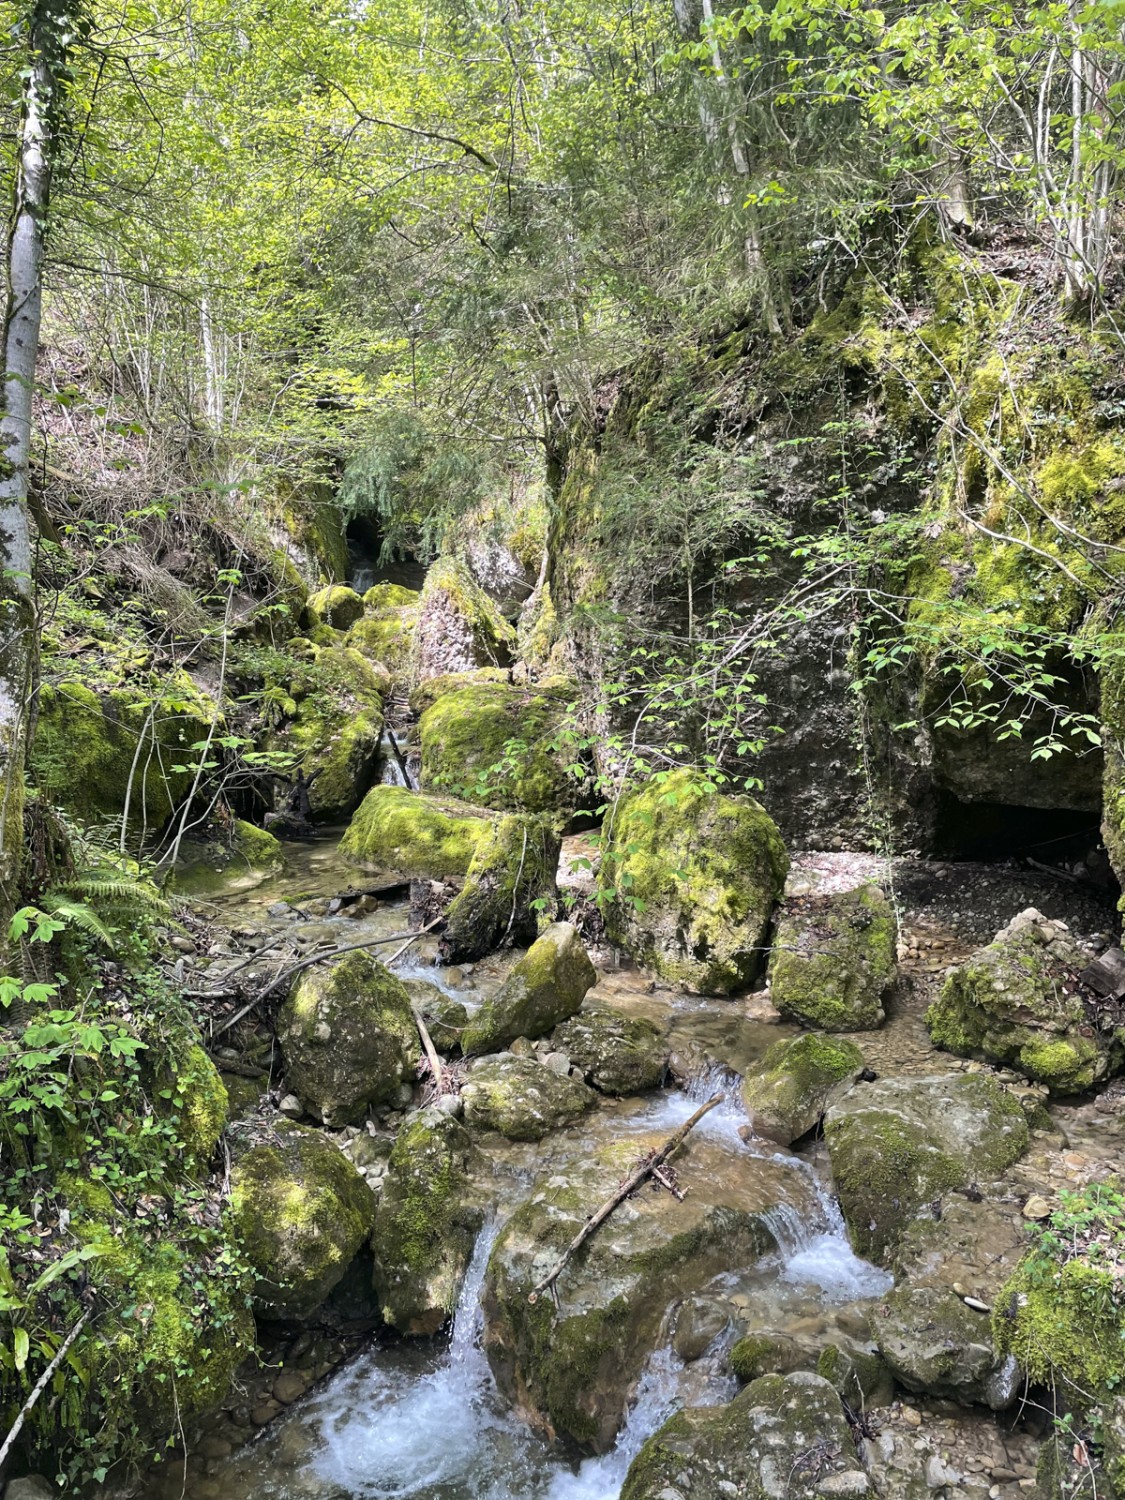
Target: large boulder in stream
(785, 1437)
(349, 1039)
(618, 1054)
(1018, 1001)
(385, 631)
(411, 833)
(938, 1346)
(897, 1145)
(833, 959)
(568, 1365)
(544, 987)
(508, 892)
(459, 627)
(692, 876)
(521, 1098)
(789, 1091)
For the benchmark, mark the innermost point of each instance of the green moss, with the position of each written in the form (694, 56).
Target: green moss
(546, 986)
(203, 1113)
(337, 606)
(521, 1099)
(387, 640)
(335, 728)
(416, 834)
(383, 598)
(885, 1184)
(833, 959)
(316, 525)
(425, 694)
(788, 1092)
(509, 891)
(1065, 1327)
(208, 867)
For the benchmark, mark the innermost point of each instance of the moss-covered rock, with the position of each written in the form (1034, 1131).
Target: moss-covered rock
(336, 606)
(424, 695)
(1018, 1001)
(1113, 740)
(445, 1017)
(619, 1054)
(426, 1224)
(789, 1091)
(204, 1109)
(784, 1435)
(937, 1346)
(833, 959)
(899, 1144)
(861, 1377)
(459, 627)
(492, 743)
(758, 1354)
(385, 631)
(509, 891)
(212, 864)
(302, 1212)
(348, 1038)
(522, 1099)
(694, 876)
(544, 987)
(335, 728)
(414, 833)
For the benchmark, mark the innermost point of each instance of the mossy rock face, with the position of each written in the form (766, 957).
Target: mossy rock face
(1065, 1326)
(459, 627)
(784, 1435)
(1017, 1001)
(570, 1366)
(349, 1039)
(381, 598)
(490, 743)
(546, 986)
(336, 728)
(425, 694)
(758, 1354)
(413, 833)
(205, 1108)
(937, 1346)
(696, 875)
(509, 891)
(795, 1082)
(1113, 777)
(385, 631)
(336, 606)
(426, 1225)
(833, 959)
(302, 1211)
(445, 1017)
(521, 1098)
(619, 1054)
(898, 1144)
(215, 864)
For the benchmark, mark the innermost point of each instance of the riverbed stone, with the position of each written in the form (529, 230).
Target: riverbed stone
(691, 877)
(509, 890)
(348, 1038)
(788, 1093)
(833, 959)
(412, 833)
(900, 1143)
(445, 1017)
(937, 1346)
(546, 986)
(618, 1054)
(522, 1098)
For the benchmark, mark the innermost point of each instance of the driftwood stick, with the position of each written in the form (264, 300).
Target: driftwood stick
(431, 1051)
(630, 1185)
(319, 958)
(413, 938)
(401, 759)
(40, 1386)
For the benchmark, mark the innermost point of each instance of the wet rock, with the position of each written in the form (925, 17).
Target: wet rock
(937, 1346)
(445, 1017)
(1017, 1001)
(509, 886)
(758, 1354)
(291, 1107)
(30, 1487)
(899, 1144)
(544, 987)
(861, 1377)
(348, 1038)
(426, 1224)
(302, 1211)
(290, 1386)
(426, 837)
(833, 959)
(695, 876)
(618, 1054)
(795, 1082)
(521, 1098)
(699, 1322)
(783, 1436)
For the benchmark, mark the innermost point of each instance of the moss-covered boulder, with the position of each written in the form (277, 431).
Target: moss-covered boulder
(413, 833)
(789, 1091)
(569, 1364)
(385, 631)
(619, 1054)
(348, 1038)
(544, 987)
(493, 743)
(899, 1144)
(694, 876)
(509, 891)
(521, 1098)
(783, 1436)
(459, 627)
(1018, 1001)
(243, 853)
(445, 1017)
(335, 728)
(426, 1224)
(833, 959)
(301, 1210)
(424, 695)
(1113, 776)
(937, 1346)
(336, 606)
(201, 1104)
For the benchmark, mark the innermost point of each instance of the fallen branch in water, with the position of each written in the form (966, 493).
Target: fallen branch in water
(431, 1051)
(650, 1167)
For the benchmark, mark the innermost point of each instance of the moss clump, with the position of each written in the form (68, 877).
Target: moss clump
(692, 878)
(385, 633)
(301, 1210)
(833, 959)
(459, 627)
(521, 1099)
(429, 837)
(203, 1113)
(427, 693)
(336, 606)
(545, 987)
(382, 598)
(789, 1092)
(758, 1354)
(213, 865)
(509, 891)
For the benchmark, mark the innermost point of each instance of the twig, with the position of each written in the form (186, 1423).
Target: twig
(431, 1051)
(630, 1185)
(410, 787)
(319, 958)
(413, 938)
(40, 1386)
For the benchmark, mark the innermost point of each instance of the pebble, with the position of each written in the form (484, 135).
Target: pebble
(263, 1415)
(290, 1107)
(214, 1446)
(1037, 1207)
(452, 1105)
(289, 1386)
(911, 1416)
(557, 1062)
(939, 1474)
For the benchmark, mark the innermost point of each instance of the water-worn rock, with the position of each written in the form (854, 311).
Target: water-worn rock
(459, 627)
(445, 1017)
(426, 1224)
(1017, 1001)
(937, 1346)
(785, 1437)
(509, 886)
(796, 1080)
(618, 1054)
(521, 1098)
(302, 1211)
(694, 876)
(337, 606)
(900, 1143)
(335, 728)
(545, 986)
(860, 1376)
(348, 1038)
(833, 959)
(214, 864)
(569, 1367)
(412, 833)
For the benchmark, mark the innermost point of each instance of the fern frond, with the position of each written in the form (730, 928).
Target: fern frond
(77, 914)
(91, 887)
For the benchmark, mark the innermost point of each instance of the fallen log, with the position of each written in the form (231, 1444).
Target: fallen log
(648, 1168)
(431, 1051)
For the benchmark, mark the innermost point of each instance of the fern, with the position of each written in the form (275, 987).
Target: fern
(77, 914)
(117, 891)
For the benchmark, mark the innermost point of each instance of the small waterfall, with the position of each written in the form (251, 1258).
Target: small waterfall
(390, 769)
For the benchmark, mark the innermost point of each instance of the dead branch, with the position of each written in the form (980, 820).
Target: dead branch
(431, 1051)
(40, 1386)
